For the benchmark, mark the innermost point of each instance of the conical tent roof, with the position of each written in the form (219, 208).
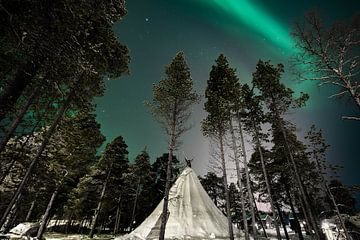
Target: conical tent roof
(192, 214)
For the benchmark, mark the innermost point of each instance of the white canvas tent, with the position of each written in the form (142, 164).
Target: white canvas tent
(193, 215)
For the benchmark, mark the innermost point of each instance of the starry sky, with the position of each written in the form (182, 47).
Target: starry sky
(245, 31)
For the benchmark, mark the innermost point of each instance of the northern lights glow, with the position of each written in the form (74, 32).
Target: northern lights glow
(244, 30)
(248, 13)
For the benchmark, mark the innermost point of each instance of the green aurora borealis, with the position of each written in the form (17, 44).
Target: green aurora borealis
(245, 31)
(260, 21)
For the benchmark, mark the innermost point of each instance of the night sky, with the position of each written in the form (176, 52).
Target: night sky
(245, 31)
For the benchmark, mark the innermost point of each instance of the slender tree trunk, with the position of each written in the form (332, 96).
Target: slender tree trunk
(118, 215)
(282, 221)
(68, 224)
(7, 224)
(227, 197)
(30, 211)
(259, 218)
(268, 188)
(46, 215)
(101, 227)
(56, 222)
(303, 197)
(80, 225)
(331, 196)
(12, 91)
(292, 163)
(312, 210)
(342, 224)
(248, 180)
(43, 145)
(296, 219)
(134, 207)
(239, 178)
(98, 208)
(164, 215)
(13, 218)
(308, 226)
(18, 119)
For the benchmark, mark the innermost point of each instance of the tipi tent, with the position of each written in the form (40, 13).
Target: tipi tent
(193, 215)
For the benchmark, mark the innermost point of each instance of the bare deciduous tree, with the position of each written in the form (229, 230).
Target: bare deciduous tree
(330, 55)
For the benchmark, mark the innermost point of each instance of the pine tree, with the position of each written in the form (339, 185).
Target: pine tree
(253, 118)
(33, 44)
(316, 152)
(173, 97)
(219, 94)
(75, 76)
(142, 179)
(106, 177)
(278, 100)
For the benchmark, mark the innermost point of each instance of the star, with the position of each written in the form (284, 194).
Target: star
(147, 19)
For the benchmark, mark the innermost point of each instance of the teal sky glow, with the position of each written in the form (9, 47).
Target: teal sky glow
(249, 13)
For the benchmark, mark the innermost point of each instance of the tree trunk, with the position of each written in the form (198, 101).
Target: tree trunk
(43, 145)
(342, 224)
(68, 224)
(259, 218)
(12, 91)
(46, 215)
(248, 181)
(80, 225)
(292, 163)
(135, 203)
(118, 215)
(227, 197)
(98, 208)
(13, 218)
(30, 211)
(239, 178)
(7, 224)
(282, 221)
(296, 220)
(268, 188)
(18, 119)
(164, 215)
(331, 196)
(56, 223)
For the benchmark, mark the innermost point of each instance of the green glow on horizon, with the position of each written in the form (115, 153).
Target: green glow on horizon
(247, 13)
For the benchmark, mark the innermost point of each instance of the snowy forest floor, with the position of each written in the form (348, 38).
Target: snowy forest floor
(58, 236)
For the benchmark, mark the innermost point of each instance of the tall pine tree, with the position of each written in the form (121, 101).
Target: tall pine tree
(172, 100)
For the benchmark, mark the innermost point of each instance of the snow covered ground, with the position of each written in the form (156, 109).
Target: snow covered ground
(58, 236)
